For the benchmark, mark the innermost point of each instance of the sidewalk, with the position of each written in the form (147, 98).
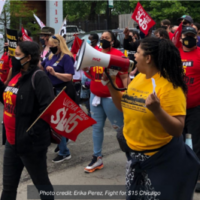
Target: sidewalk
(113, 173)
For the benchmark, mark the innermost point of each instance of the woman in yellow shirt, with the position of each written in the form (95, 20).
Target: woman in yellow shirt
(160, 166)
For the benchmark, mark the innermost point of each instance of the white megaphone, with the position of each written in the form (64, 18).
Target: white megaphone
(88, 56)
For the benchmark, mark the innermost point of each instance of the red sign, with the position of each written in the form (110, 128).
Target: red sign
(66, 118)
(25, 36)
(144, 21)
(76, 45)
(177, 35)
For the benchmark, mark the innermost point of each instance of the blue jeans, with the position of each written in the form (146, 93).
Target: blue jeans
(64, 151)
(99, 113)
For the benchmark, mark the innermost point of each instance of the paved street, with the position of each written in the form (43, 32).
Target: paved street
(71, 172)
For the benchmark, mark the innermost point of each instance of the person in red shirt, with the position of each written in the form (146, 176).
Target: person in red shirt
(22, 105)
(93, 39)
(190, 56)
(101, 103)
(5, 65)
(166, 25)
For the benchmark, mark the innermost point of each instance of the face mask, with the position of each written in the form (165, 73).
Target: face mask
(104, 44)
(130, 39)
(89, 42)
(164, 27)
(42, 41)
(189, 42)
(53, 49)
(17, 64)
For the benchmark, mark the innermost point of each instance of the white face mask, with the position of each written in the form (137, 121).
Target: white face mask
(18, 58)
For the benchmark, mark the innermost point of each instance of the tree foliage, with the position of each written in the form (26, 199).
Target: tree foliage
(15, 15)
(171, 10)
(166, 9)
(90, 9)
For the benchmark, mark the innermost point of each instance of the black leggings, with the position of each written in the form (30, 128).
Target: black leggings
(13, 165)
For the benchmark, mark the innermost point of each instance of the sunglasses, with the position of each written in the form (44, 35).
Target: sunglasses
(186, 22)
(54, 37)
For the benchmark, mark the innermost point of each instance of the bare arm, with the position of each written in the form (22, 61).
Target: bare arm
(116, 95)
(125, 80)
(63, 77)
(172, 124)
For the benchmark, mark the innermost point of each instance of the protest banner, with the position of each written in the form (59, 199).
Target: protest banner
(12, 37)
(144, 21)
(65, 117)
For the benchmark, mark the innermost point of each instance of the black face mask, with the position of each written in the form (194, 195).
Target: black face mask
(53, 49)
(17, 64)
(189, 42)
(42, 41)
(130, 39)
(164, 27)
(104, 44)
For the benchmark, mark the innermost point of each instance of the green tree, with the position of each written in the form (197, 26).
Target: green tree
(15, 14)
(171, 10)
(90, 9)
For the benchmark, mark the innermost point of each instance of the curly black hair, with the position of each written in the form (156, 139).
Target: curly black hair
(167, 60)
(32, 49)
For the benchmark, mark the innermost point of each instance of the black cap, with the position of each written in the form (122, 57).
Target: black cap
(187, 18)
(189, 29)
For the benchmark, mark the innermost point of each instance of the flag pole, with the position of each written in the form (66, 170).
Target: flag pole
(62, 24)
(129, 22)
(45, 109)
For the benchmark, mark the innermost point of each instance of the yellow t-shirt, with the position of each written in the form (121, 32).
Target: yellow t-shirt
(141, 130)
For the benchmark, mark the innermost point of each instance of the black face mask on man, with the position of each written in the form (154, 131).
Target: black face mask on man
(189, 42)
(17, 64)
(53, 49)
(105, 44)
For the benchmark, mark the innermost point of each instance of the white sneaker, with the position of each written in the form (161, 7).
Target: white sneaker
(96, 163)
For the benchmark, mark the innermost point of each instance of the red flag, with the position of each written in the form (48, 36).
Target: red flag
(66, 118)
(144, 21)
(76, 45)
(177, 35)
(25, 36)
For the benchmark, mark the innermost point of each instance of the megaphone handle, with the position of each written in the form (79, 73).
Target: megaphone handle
(118, 89)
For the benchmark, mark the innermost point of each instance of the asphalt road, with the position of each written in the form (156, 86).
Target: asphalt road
(71, 172)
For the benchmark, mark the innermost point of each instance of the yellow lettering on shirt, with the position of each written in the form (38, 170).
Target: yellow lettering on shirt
(8, 114)
(7, 97)
(98, 70)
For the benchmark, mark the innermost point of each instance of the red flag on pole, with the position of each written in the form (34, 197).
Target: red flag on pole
(76, 45)
(66, 118)
(177, 35)
(144, 21)
(25, 36)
